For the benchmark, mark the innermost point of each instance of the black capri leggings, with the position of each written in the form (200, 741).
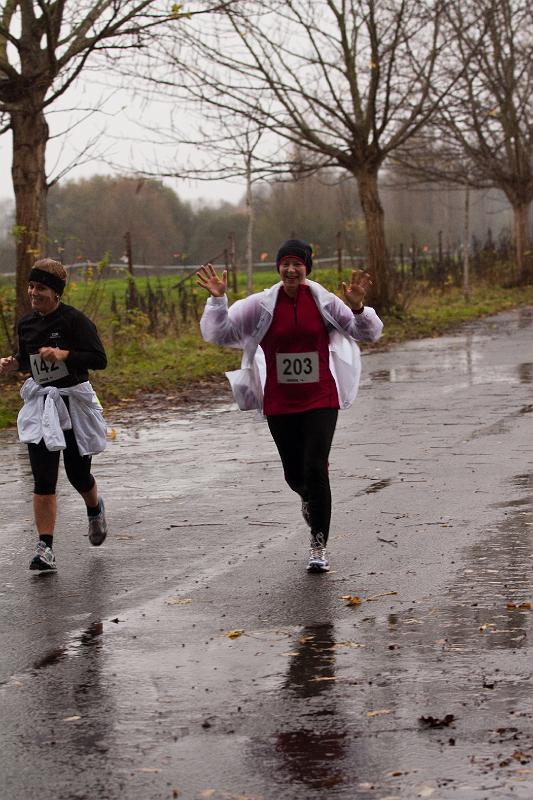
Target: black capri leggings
(45, 466)
(304, 441)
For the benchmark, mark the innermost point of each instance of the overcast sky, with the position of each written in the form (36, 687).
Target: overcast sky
(119, 140)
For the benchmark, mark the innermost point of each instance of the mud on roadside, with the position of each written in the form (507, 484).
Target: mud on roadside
(145, 405)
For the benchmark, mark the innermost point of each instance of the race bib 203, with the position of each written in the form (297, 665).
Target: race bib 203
(297, 367)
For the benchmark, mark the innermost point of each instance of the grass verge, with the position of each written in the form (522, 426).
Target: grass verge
(170, 364)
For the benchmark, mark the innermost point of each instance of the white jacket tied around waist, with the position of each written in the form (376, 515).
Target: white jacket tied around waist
(246, 322)
(44, 415)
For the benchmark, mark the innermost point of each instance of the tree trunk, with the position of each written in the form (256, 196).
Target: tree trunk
(523, 259)
(30, 136)
(367, 183)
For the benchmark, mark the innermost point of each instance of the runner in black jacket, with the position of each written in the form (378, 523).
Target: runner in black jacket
(58, 345)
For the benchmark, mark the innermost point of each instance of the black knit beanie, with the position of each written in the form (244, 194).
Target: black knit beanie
(298, 249)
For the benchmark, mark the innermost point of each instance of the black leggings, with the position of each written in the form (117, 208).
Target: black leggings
(304, 441)
(45, 466)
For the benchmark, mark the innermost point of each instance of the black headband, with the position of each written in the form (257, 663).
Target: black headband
(48, 279)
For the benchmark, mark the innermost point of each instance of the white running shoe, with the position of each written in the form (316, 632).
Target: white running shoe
(98, 527)
(318, 561)
(44, 559)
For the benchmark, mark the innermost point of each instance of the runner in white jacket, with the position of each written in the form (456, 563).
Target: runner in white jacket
(58, 345)
(300, 365)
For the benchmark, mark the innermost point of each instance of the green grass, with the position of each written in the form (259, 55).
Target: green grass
(171, 361)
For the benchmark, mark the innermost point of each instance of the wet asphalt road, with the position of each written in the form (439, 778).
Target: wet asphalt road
(117, 675)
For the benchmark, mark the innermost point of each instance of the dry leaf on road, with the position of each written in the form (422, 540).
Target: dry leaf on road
(234, 634)
(352, 600)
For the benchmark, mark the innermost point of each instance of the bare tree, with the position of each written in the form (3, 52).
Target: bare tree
(44, 47)
(483, 135)
(223, 150)
(345, 81)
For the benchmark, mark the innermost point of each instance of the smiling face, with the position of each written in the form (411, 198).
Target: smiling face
(292, 272)
(42, 298)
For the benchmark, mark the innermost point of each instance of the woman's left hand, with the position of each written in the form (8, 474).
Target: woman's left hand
(355, 291)
(53, 354)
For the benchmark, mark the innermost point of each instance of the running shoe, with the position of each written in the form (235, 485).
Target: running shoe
(318, 561)
(98, 527)
(44, 559)
(305, 512)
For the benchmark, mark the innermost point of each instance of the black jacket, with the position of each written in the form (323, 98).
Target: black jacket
(68, 329)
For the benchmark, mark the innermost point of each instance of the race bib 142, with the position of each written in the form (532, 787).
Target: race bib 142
(46, 371)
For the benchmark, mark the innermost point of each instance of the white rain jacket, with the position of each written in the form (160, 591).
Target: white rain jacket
(246, 322)
(44, 415)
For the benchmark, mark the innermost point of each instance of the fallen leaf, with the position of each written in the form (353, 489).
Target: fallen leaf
(178, 601)
(436, 722)
(352, 600)
(379, 712)
(234, 634)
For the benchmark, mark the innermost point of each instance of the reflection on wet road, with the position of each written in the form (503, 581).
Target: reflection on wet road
(193, 657)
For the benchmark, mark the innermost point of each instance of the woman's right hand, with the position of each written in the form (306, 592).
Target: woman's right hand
(209, 280)
(9, 364)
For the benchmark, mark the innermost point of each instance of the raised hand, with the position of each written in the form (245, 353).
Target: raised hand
(209, 280)
(355, 291)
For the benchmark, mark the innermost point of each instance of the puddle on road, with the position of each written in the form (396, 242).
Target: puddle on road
(504, 373)
(75, 646)
(312, 755)
(350, 709)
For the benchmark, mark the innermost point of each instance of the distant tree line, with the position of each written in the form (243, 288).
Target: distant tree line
(88, 218)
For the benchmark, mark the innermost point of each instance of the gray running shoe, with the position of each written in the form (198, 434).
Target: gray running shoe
(44, 559)
(305, 512)
(98, 527)
(318, 561)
